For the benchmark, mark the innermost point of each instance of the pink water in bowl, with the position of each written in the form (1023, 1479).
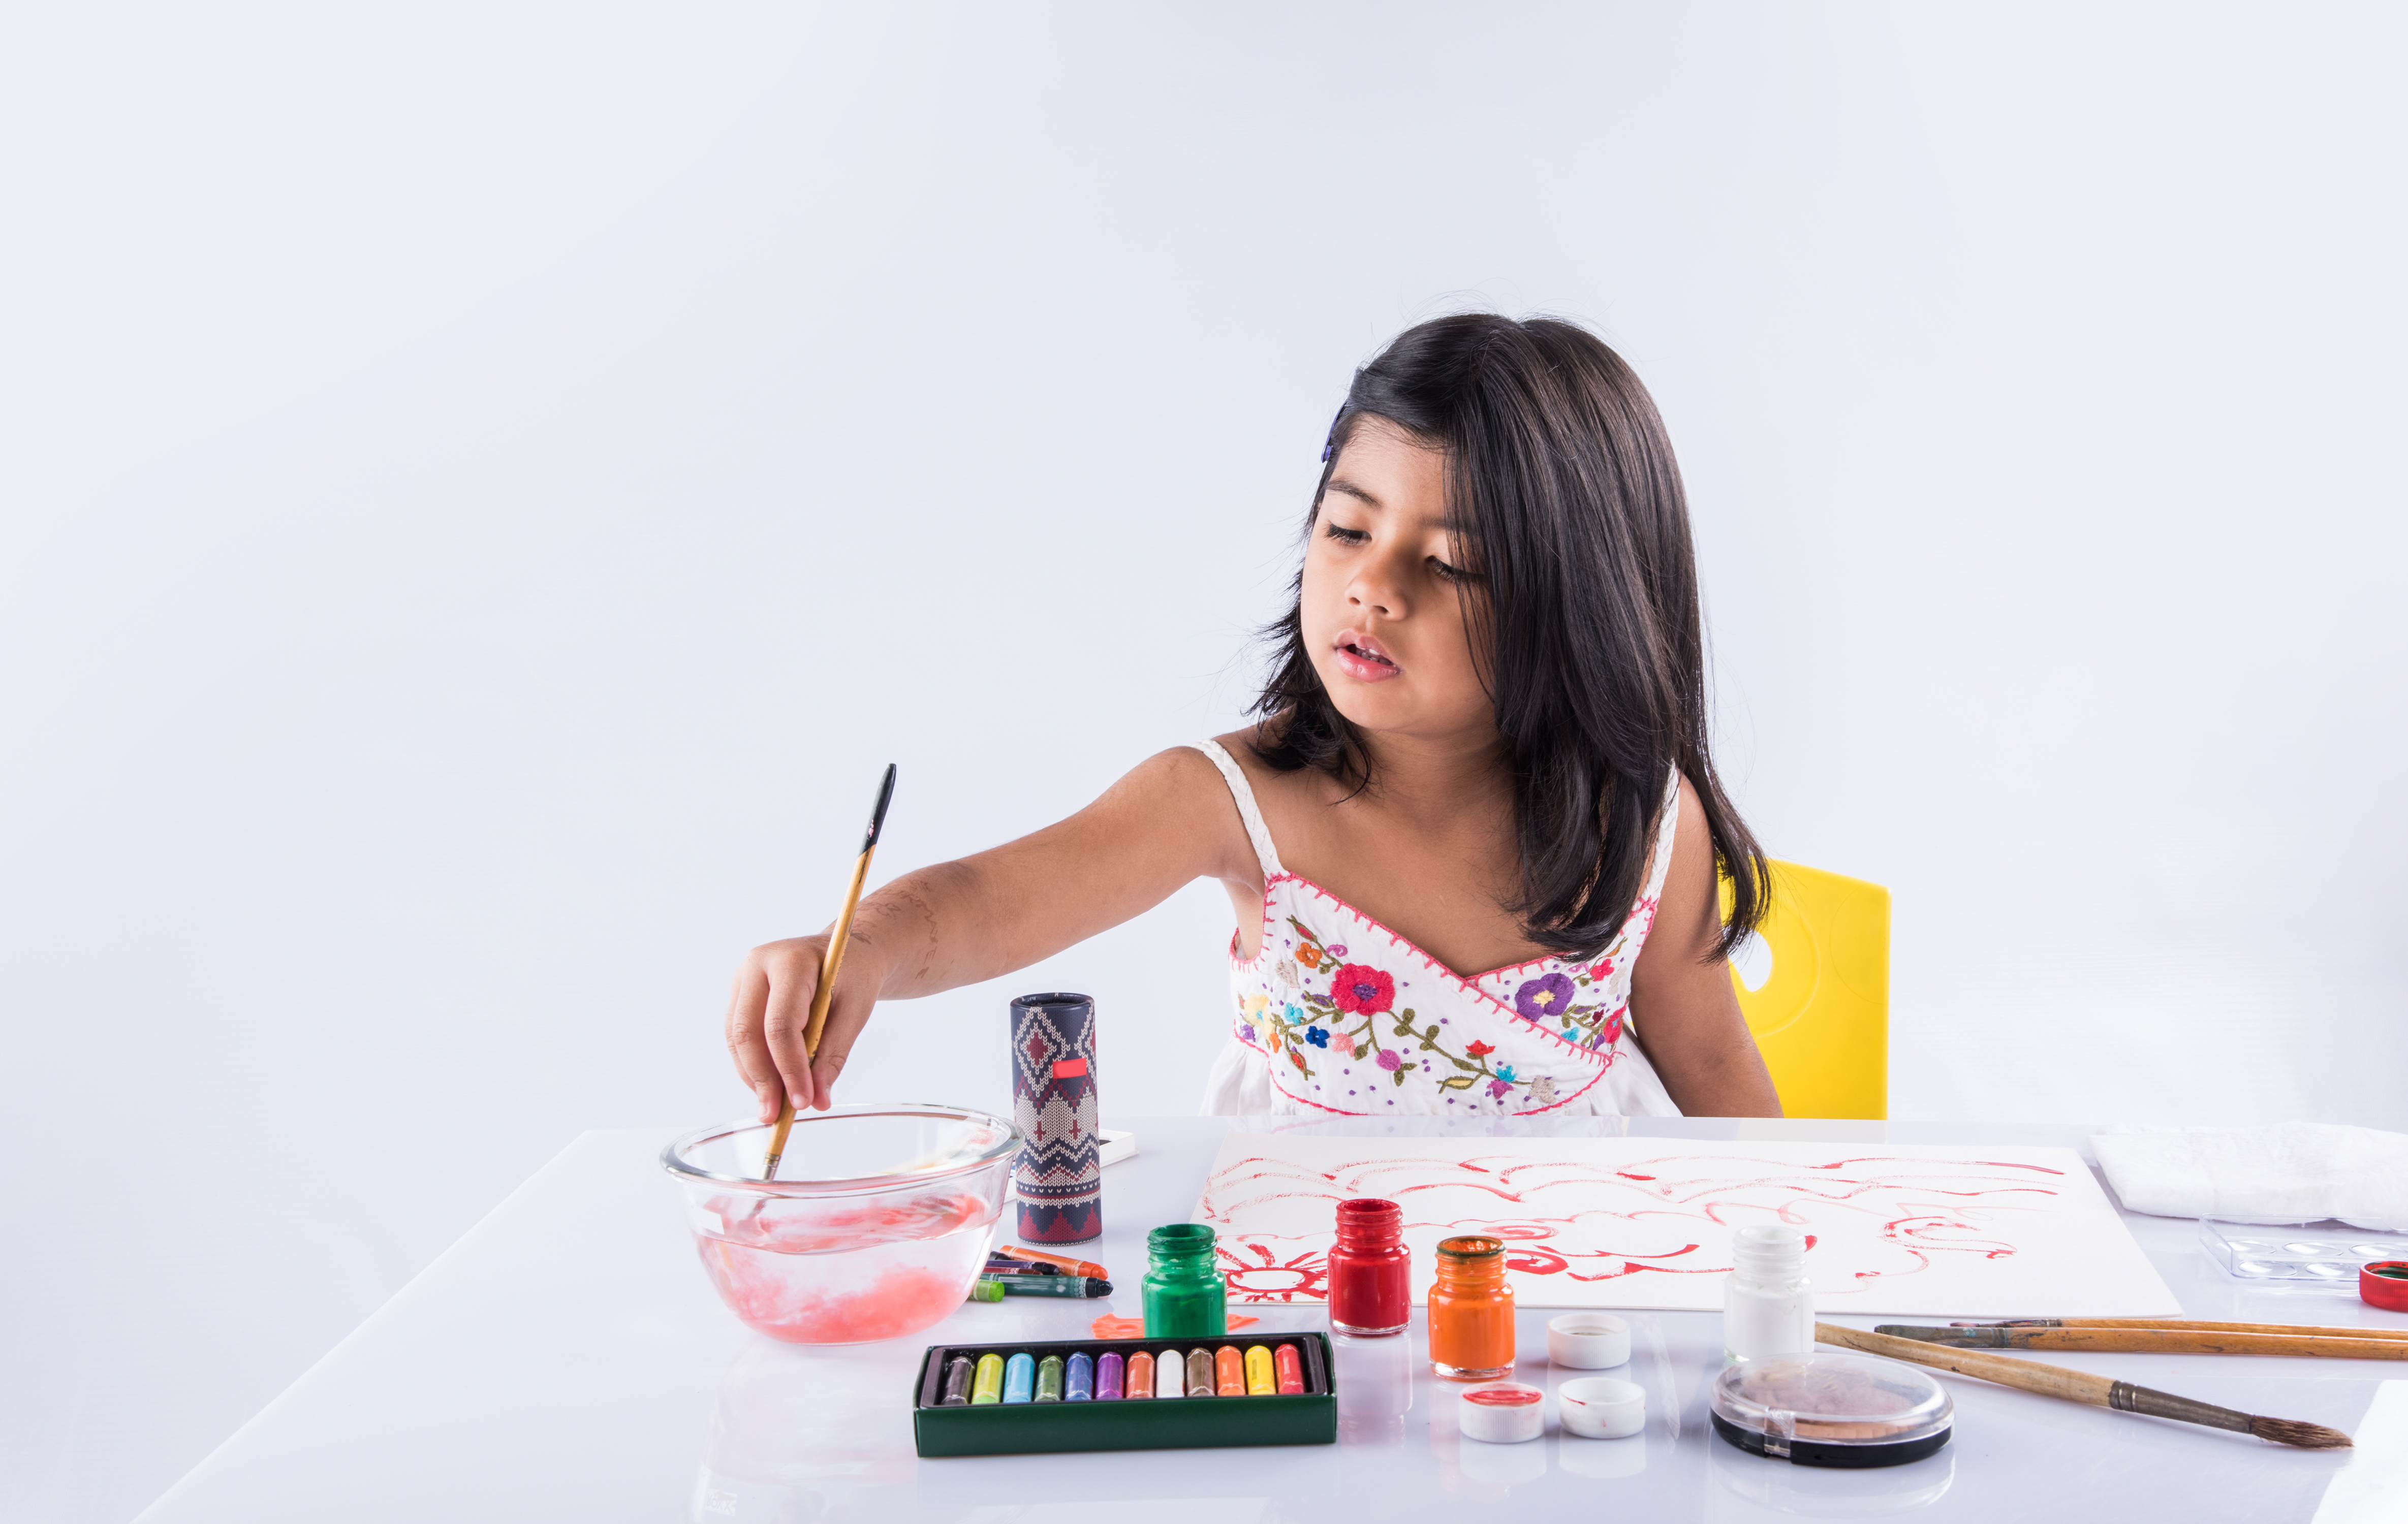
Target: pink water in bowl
(848, 1258)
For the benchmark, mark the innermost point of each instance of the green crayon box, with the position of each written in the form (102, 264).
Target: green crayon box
(1309, 1416)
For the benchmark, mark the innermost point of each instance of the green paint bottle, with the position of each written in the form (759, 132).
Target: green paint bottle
(1184, 1295)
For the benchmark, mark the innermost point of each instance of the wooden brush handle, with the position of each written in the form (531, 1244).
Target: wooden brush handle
(833, 958)
(2313, 1331)
(2168, 1341)
(2027, 1375)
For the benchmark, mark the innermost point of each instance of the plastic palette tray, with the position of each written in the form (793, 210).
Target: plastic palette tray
(1145, 1423)
(2324, 1253)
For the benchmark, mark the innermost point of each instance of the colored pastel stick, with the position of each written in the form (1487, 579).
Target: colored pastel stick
(1290, 1368)
(1049, 1379)
(1107, 1377)
(1199, 1373)
(1171, 1375)
(1140, 1377)
(1079, 1384)
(1020, 1377)
(1229, 1372)
(1260, 1381)
(988, 1387)
(958, 1383)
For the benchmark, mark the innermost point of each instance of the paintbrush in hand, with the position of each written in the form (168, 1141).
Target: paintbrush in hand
(828, 964)
(2158, 1339)
(2081, 1387)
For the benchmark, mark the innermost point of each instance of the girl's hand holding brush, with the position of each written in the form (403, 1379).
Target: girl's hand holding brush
(777, 1017)
(769, 1013)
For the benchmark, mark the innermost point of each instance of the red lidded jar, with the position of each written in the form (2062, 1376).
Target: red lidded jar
(1370, 1271)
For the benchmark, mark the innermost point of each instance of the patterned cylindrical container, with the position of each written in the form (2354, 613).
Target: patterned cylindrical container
(1058, 1180)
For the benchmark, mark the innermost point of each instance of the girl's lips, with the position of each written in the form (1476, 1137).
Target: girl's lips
(1362, 658)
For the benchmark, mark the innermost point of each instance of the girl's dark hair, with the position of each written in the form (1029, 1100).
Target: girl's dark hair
(1563, 496)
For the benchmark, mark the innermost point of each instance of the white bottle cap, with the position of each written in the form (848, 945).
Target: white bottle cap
(1601, 1407)
(1768, 1253)
(1588, 1341)
(1502, 1413)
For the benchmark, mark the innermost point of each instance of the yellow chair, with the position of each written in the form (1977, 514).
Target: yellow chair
(1820, 1010)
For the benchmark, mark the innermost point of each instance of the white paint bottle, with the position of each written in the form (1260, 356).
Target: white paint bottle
(1767, 1307)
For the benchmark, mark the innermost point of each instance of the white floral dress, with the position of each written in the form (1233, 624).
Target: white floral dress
(1336, 1013)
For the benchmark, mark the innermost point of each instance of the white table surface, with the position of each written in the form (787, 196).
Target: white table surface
(566, 1361)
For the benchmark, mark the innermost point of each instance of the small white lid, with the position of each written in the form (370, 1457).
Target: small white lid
(1602, 1408)
(1502, 1413)
(1588, 1341)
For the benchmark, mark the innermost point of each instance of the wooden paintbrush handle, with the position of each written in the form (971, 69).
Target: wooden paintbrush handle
(833, 958)
(2195, 1325)
(2026, 1374)
(2166, 1341)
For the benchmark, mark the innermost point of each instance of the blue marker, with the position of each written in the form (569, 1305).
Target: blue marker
(1020, 1378)
(1083, 1380)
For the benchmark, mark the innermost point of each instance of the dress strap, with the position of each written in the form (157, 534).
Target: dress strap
(1667, 821)
(1243, 792)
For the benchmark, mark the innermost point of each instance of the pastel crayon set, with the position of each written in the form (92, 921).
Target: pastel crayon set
(1125, 1394)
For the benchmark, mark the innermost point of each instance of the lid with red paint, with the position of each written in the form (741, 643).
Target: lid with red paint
(2383, 1283)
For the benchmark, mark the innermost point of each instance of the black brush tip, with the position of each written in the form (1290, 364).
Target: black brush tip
(2306, 1437)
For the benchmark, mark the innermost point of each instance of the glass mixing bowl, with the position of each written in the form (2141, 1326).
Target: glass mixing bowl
(876, 1227)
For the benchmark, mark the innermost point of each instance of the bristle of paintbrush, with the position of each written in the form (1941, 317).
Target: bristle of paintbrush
(2307, 1436)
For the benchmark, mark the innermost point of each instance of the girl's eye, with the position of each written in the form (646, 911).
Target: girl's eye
(1451, 574)
(1349, 537)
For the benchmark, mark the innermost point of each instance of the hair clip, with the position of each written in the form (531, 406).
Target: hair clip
(1329, 445)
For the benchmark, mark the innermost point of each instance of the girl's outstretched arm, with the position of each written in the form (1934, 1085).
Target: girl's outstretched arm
(1687, 1019)
(1170, 821)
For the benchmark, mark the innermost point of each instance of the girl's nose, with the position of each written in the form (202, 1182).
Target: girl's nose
(1372, 591)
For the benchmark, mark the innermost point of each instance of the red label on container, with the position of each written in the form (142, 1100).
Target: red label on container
(1502, 1397)
(1069, 1068)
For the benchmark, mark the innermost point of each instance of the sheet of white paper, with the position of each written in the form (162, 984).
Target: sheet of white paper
(1915, 1231)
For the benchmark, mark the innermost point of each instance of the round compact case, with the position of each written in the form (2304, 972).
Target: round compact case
(1832, 1410)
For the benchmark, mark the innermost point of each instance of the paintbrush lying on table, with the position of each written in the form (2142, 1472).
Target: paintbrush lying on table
(2081, 1387)
(2318, 1331)
(2163, 1337)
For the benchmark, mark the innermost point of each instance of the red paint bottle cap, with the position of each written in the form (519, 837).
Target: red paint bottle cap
(2378, 1290)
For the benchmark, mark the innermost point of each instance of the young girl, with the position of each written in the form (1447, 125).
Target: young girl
(1472, 843)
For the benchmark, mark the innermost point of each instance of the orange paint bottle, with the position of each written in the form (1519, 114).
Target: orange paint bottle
(1471, 1311)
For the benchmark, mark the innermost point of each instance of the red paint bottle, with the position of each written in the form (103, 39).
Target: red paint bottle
(1370, 1271)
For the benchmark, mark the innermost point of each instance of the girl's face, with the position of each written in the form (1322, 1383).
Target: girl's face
(1384, 595)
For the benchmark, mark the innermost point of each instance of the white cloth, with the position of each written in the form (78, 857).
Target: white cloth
(1337, 1014)
(2288, 1172)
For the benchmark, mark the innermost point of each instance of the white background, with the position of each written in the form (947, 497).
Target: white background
(486, 486)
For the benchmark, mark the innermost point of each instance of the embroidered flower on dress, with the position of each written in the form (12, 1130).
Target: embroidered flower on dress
(1544, 996)
(1390, 1059)
(1542, 1091)
(1498, 1089)
(1505, 1072)
(1317, 1036)
(1337, 949)
(1246, 1032)
(1361, 989)
(1309, 955)
(1286, 971)
(1476, 1049)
